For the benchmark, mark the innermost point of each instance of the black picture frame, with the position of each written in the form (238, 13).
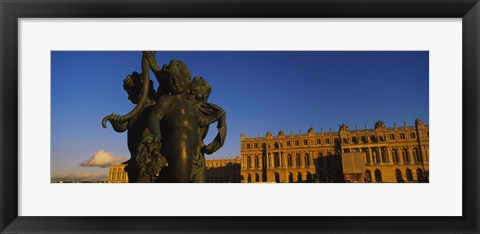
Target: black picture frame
(11, 11)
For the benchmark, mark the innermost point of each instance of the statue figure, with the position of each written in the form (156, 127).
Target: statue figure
(344, 127)
(174, 126)
(379, 125)
(166, 128)
(207, 113)
(419, 122)
(140, 92)
(137, 126)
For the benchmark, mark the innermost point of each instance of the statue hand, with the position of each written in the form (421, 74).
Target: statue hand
(150, 57)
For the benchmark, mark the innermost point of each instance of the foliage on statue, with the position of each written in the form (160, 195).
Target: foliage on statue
(149, 160)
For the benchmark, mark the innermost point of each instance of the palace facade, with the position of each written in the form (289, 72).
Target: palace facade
(225, 170)
(396, 154)
(117, 174)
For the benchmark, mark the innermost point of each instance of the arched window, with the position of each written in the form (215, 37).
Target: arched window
(376, 156)
(367, 156)
(309, 177)
(277, 177)
(409, 174)
(289, 160)
(249, 162)
(420, 176)
(384, 155)
(257, 177)
(378, 175)
(398, 176)
(299, 177)
(290, 177)
(249, 178)
(277, 160)
(369, 175)
(307, 159)
(416, 155)
(395, 156)
(405, 156)
(256, 162)
(298, 160)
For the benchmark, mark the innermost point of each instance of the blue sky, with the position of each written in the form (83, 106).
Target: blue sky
(260, 91)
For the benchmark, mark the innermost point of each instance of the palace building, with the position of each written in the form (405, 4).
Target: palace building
(396, 154)
(225, 170)
(117, 174)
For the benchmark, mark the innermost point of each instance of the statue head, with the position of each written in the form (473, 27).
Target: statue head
(178, 76)
(200, 89)
(133, 85)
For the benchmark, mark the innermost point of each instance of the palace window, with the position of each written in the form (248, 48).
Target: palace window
(384, 155)
(257, 177)
(354, 139)
(248, 146)
(420, 175)
(416, 155)
(289, 160)
(395, 156)
(277, 160)
(249, 161)
(409, 174)
(288, 143)
(398, 176)
(367, 156)
(307, 159)
(277, 177)
(318, 142)
(249, 178)
(256, 162)
(364, 139)
(298, 160)
(369, 175)
(372, 138)
(412, 135)
(290, 177)
(296, 143)
(405, 156)
(305, 142)
(392, 136)
(299, 177)
(402, 136)
(335, 140)
(378, 175)
(327, 141)
(255, 145)
(376, 157)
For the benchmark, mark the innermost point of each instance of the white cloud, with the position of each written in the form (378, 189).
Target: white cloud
(102, 159)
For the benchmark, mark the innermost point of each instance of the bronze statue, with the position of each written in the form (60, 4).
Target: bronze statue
(166, 129)
(207, 113)
(137, 126)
